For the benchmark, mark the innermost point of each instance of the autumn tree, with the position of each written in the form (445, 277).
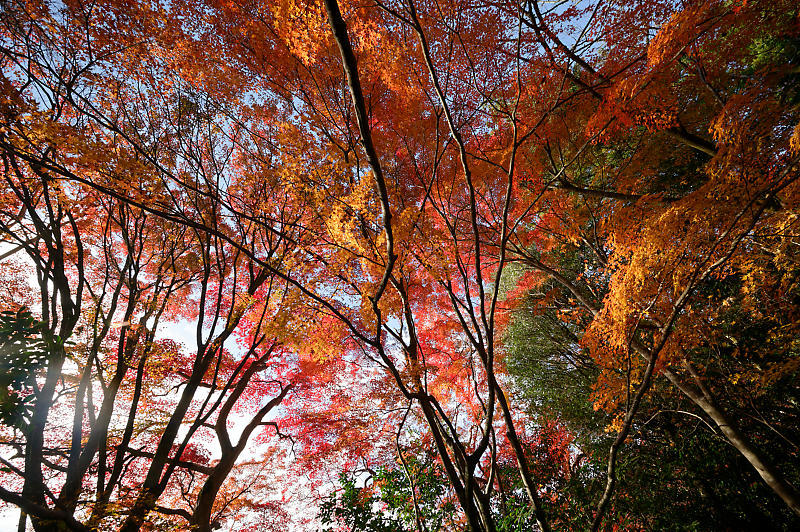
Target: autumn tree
(666, 225)
(119, 415)
(337, 197)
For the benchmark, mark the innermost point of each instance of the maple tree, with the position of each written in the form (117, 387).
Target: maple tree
(665, 244)
(348, 202)
(105, 360)
(121, 415)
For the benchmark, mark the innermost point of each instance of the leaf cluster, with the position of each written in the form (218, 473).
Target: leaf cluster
(24, 349)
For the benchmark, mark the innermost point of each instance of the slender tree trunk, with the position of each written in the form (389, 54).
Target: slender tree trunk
(34, 488)
(522, 462)
(201, 518)
(151, 490)
(483, 503)
(205, 500)
(463, 492)
(771, 476)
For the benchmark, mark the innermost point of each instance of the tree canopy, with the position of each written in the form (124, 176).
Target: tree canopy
(400, 264)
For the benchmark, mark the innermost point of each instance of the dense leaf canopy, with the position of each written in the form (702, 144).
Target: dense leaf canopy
(400, 264)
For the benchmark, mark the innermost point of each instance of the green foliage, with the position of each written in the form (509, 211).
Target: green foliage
(23, 350)
(675, 472)
(551, 373)
(516, 517)
(357, 508)
(387, 504)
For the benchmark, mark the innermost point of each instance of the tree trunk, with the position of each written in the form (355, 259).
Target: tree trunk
(771, 476)
(205, 500)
